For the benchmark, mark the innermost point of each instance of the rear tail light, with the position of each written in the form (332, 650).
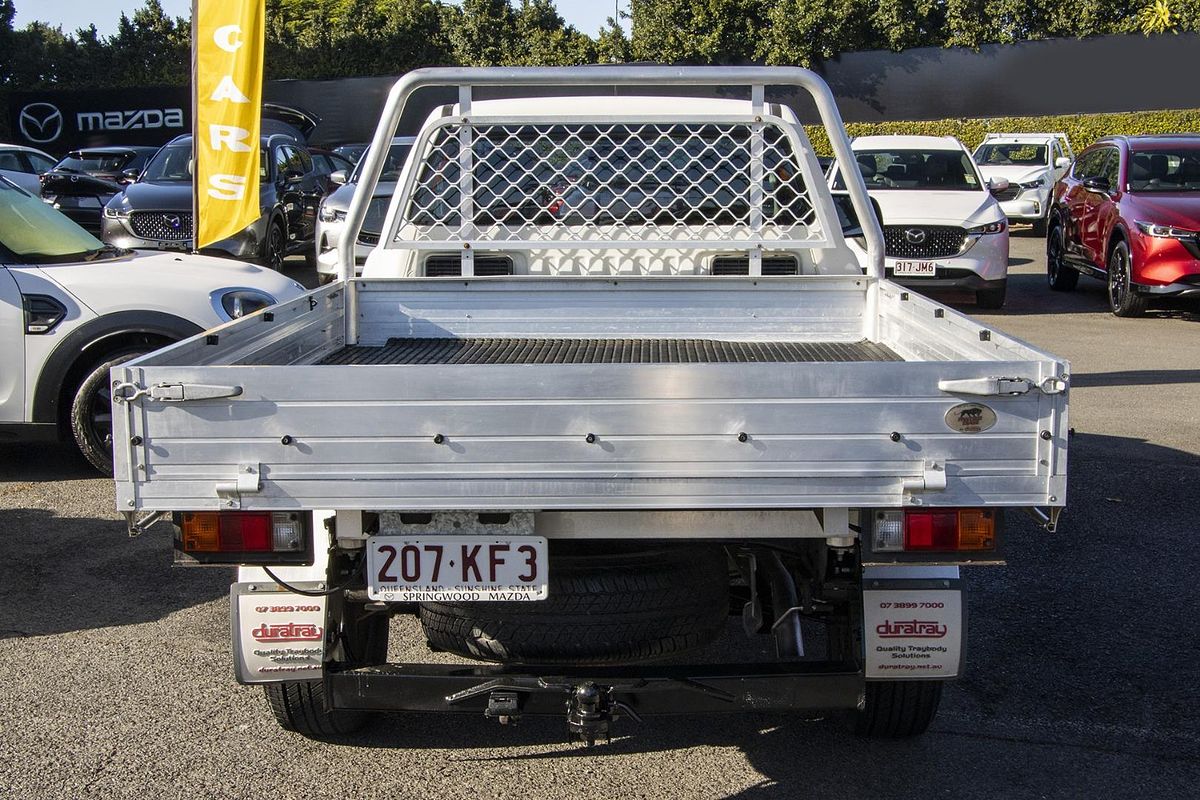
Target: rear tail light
(239, 537)
(945, 530)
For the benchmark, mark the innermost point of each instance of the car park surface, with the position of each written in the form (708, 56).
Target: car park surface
(1083, 677)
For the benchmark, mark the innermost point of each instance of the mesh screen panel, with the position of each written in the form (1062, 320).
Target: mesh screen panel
(578, 184)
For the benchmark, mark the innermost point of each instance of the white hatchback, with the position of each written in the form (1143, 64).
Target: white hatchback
(72, 307)
(942, 227)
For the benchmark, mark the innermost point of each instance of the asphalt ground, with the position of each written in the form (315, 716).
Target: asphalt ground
(115, 676)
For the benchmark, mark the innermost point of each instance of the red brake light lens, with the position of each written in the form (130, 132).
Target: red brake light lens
(247, 533)
(931, 530)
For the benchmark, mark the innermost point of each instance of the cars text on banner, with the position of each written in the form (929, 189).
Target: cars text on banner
(227, 80)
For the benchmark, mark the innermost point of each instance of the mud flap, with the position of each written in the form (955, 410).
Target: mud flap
(914, 623)
(277, 635)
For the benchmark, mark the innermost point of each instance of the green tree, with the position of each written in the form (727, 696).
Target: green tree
(485, 33)
(698, 31)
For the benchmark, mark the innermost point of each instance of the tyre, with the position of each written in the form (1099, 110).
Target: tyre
(299, 706)
(1123, 298)
(92, 410)
(310, 258)
(1060, 276)
(992, 298)
(1039, 227)
(606, 603)
(274, 247)
(898, 709)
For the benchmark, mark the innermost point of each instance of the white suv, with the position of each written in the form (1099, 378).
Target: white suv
(942, 228)
(1031, 163)
(72, 307)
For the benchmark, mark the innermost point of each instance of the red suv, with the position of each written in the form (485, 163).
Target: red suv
(1128, 212)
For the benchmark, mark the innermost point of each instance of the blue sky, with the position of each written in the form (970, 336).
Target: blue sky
(586, 15)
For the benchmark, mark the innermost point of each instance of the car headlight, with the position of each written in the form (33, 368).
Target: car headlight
(991, 227)
(1164, 231)
(115, 212)
(1031, 184)
(241, 302)
(328, 214)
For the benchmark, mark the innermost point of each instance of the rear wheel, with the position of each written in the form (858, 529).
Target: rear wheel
(274, 248)
(299, 706)
(1059, 275)
(302, 707)
(606, 603)
(92, 413)
(1039, 227)
(898, 709)
(1123, 298)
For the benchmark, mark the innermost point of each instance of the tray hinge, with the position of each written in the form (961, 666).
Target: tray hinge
(248, 481)
(933, 479)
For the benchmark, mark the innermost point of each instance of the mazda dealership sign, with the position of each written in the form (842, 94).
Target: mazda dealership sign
(58, 121)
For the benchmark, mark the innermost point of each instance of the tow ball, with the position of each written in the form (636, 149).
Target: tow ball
(591, 709)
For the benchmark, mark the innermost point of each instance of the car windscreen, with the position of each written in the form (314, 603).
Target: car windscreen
(174, 163)
(171, 163)
(38, 234)
(1174, 170)
(1012, 155)
(84, 161)
(397, 155)
(933, 170)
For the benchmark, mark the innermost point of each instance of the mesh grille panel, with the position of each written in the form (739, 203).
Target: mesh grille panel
(165, 225)
(605, 351)
(596, 183)
(740, 265)
(932, 241)
(444, 266)
(1008, 194)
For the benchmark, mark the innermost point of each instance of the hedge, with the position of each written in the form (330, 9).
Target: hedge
(1083, 129)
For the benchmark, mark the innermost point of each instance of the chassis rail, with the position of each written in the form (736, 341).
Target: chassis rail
(671, 689)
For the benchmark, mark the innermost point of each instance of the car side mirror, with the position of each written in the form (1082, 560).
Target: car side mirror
(291, 176)
(1062, 162)
(1097, 185)
(997, 185)
(338, 177)
(130, 175)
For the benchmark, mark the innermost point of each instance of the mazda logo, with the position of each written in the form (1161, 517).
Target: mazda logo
(173, 221)
(40, 122)
(914, 235)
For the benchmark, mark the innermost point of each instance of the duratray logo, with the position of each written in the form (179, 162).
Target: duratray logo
(910, 629)
(288, 632)
(131, 120)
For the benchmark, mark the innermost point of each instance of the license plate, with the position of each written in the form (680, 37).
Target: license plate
(457, 568)
(926, 269)
(175, 245)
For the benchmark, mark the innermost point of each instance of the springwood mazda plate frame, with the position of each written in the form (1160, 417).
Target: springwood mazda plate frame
(457, 568)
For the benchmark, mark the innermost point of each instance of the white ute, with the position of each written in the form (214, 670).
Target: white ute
(72, 307)
(612, 371)
(1030, 163)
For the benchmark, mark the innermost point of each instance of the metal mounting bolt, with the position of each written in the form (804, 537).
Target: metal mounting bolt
(743, 437)
(895, 437)
(285, 439)
(130, 503)
(1047, 435)
(590, 438)
(1053, 499)
(135, 440)
(438, 438)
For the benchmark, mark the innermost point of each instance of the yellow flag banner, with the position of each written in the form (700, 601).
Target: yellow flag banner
(227, 69)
